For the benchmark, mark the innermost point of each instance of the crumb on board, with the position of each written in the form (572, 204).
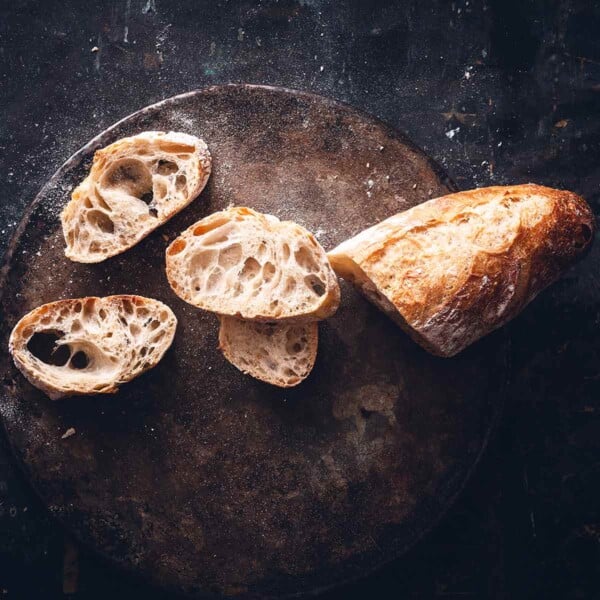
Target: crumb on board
(68, 433)
(95, 49)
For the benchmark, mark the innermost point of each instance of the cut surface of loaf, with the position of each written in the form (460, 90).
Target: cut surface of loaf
(242, 263)
(134, 186)
(282, 354)
(454, 268)
(91, 345)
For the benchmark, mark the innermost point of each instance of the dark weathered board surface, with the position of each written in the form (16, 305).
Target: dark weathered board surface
(205, 480)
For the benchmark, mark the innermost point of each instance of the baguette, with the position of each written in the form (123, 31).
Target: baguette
(279, 354)
(453, 269)
(91, 345)
(241, 263)
(134, 186)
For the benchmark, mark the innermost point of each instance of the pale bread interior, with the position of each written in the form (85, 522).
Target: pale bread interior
(242, 263)
(281, 354)
(134, 186)
(91, 345)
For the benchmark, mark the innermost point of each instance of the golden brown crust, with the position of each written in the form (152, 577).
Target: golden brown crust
(457, 267)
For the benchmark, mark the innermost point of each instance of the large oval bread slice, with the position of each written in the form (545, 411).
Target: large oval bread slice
(242, 263)
(282, 354)
(134, 186)
(455, 268)
(91, 345)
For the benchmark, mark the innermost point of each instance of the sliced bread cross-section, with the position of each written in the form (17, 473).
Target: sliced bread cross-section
(282, 354)
(134, 186)
(242, 263)
(91, 345)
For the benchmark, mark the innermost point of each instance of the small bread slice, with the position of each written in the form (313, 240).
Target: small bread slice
(91, 345)
(134, 186)
(282, 354)
(242, 263)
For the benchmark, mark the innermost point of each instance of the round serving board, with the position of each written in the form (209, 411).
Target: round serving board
(203, 479)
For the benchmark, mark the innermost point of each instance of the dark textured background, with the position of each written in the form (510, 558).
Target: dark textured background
(496, 92)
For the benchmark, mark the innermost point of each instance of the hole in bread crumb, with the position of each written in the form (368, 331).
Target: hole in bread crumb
(175, 148)
(261, 250)
(79, 360)
(286, 251)
(160, 190)
(134, 328)
(230, 256)
(101, 202)
(159, 336)
(154, 324)
(142, 312)
(101, 221)
(305, 259)
(268, 271)
(89, 308)
(250, 269)
(77, 307)
(164, 315)
(176, 247)
(87, 202)
(180, 182)
(203, 228)
(166, 167)
(43, 345)
(147, 197)
(131, 176)
(202, 260)
(75, 326)
(102, 314)
(315, 284)
(290, 285)
(127, 306)
(213, 280)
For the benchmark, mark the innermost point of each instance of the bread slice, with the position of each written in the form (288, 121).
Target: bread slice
(452, 269)
(282, 354)
(134, 186)
(242, 263)
(91, 345)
